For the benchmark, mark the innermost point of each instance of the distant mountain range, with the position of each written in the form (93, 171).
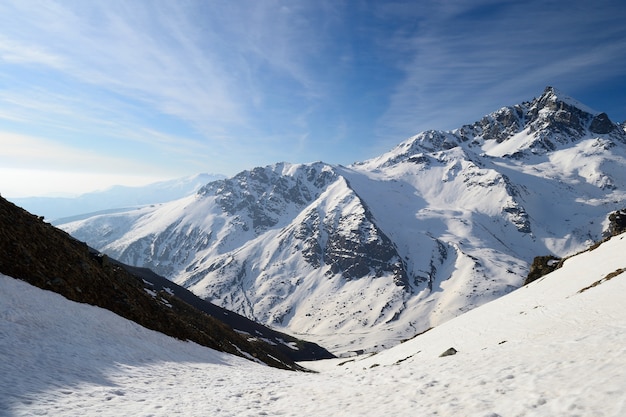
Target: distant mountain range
(115, 199)
(359, 258)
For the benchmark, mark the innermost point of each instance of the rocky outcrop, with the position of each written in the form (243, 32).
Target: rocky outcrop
(601, 124)
(363, 249)
(617, 223)
(449, 352)
(261, 196)
(542, 265)
(552, 119)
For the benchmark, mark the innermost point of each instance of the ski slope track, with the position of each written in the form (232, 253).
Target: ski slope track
(359, 258)
(555, 347)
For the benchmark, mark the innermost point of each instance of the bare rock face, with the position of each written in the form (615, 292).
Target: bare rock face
(449, 352)
(617, 223)
(262, 195)
(364, 250)
(552, 118)
(542, 265)
(601, 124)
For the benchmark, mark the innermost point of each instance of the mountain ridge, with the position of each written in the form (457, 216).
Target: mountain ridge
(551, 114)
(363, 256)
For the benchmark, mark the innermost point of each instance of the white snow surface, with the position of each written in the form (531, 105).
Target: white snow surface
(546, 349)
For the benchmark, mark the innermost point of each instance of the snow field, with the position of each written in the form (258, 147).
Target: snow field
(544, 350)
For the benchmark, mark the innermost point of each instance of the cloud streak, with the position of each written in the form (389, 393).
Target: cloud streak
(223, 86)
(208, 73)
(490, 57)
(22, 151)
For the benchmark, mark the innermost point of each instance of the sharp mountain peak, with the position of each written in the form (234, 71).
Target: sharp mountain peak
(544, 124)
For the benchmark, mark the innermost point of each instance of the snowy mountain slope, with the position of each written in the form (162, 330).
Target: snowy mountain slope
(554, 347)
(361, 257)
(572, 303)
(291, 347)
(285, 255)
(49, 258)
(118, 198)
(41, 353)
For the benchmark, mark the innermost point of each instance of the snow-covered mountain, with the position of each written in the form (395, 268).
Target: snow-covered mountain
(42, 255)
(114, 199)
(556, 347)
(358, 258)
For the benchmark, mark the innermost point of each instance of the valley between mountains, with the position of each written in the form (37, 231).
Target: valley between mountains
(358, 258)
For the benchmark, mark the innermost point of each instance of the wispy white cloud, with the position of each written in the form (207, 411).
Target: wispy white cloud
(213, 65)
(467, 59)
(223, 86)
(25, 151)
(17, 52)
(75, 125)
(136, 53)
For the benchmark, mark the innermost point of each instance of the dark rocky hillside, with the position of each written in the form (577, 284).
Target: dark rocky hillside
(49, 258)
(292, 347)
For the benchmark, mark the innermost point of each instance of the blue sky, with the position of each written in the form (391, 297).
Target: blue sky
(96, 93)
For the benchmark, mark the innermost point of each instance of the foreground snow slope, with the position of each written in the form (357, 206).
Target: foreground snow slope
(544, 350)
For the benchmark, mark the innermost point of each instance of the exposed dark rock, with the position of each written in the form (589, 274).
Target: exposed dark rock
(358, 252)
(439, 256)
(542, 265)
(451, 351)
(601, 124)
(519, 217)
(263, 194)
(294, 348)
(607, 277)
(309, 232)
(550, 119)
(351, 244)
(500, 125)
(419, 159)
(617, 223)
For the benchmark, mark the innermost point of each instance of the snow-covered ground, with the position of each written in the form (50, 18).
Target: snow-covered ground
(544, 350)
